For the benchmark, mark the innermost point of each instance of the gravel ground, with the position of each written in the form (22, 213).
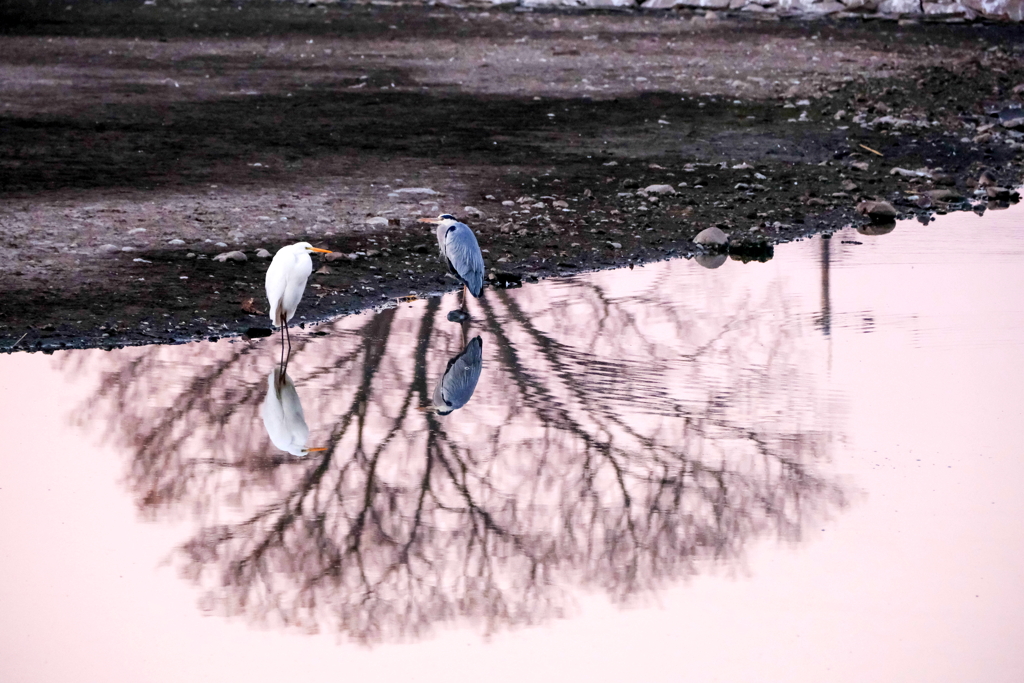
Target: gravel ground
(138, 142)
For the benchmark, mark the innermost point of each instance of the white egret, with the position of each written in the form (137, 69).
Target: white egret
(286, 280)
(282, 414)
(458, 382)
(460, 252)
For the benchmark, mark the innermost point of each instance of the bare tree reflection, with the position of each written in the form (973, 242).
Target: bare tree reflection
(620, 442)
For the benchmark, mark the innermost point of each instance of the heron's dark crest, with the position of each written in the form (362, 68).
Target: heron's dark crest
(447, 217)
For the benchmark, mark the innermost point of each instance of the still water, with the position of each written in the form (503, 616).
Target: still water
(803, 470)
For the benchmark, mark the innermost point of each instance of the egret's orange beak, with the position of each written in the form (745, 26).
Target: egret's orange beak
(430, 220)
(310, 450)
(322, 251)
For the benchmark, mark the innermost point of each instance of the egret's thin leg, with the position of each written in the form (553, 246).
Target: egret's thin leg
(282, 348)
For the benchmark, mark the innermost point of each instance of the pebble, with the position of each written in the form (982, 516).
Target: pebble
(658, 189)
(134, 231)
(222, 245)
(473, 211)
(987, 178)
(944, 195)
(108, 248)
(140, 260)
(324, 270)
(377, 222)
(262, 253)
(860, 165)
(417, 190)
(712, 236)
(176, 242)
(907, 173)
(614, 245)
(508, 202)
(127, 249)
(230, 256)
(849, 186)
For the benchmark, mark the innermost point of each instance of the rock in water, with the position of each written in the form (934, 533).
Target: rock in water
(710, 261)
(711, 237)
(879, 228)
(500, 279)
(1001, 193)
(878, 212)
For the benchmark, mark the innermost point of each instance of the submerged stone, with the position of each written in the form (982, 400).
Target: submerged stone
(712, 236)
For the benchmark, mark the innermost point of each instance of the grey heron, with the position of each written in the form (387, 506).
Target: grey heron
(458, 382)
(282, 414)
(460, 252)
(286, 280)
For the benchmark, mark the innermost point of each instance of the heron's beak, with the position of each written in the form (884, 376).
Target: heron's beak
(322, 251)
(430, 220)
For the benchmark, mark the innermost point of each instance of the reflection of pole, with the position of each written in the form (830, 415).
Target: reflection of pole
(825, 320)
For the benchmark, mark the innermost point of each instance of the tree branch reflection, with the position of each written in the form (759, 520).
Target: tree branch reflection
(617, 442)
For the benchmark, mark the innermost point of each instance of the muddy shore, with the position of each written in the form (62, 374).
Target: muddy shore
(139, 142)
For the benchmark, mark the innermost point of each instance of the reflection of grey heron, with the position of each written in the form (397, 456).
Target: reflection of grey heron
(286, 280)
(458, 382)
(282, 414)
(460, 252)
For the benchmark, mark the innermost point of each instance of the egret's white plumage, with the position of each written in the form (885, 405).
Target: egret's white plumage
(458, 383)
(286, 280)
(282, 414)
(460, 251)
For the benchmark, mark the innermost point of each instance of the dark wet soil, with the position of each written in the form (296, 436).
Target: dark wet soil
(227, 127)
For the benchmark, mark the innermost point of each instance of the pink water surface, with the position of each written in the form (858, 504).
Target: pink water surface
(867, 418)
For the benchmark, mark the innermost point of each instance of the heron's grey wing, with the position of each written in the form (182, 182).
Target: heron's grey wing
(459, 381)
(464, 255)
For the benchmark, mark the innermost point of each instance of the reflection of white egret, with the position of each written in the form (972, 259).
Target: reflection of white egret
(458, 383)
(282, 414)
(460, 252)
(286, 280)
